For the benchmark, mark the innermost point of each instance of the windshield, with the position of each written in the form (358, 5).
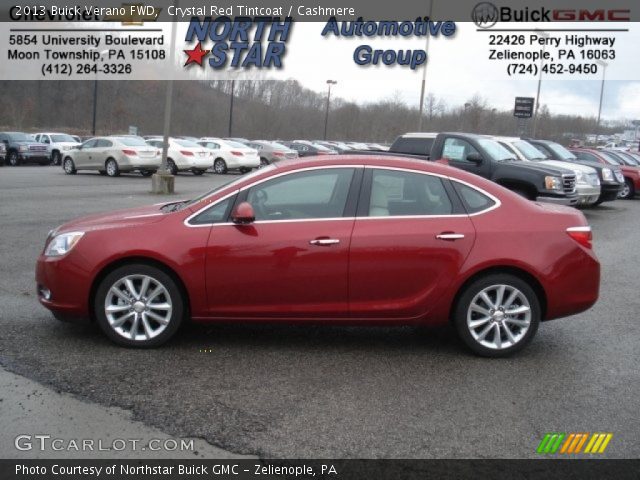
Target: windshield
(63, 138)
(628, 159)
(187, 143)
(19, 137)
(133, 142)
(236, 144)
(279, 146)
(561, 152)
(495, 150)
(321, 147)
(609, 158)
(529, 151)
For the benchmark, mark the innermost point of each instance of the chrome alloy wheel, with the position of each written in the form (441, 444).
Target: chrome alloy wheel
(499, 317)
(138, 307)
(625, 191)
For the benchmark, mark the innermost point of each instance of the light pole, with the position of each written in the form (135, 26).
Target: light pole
(163, 181)
(95, 98)
(233, 87)
(424, 74)
(535, 118)
(604, 72)
(326, 113)
(464, 115)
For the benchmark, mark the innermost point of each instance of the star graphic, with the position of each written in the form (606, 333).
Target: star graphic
(195, 55)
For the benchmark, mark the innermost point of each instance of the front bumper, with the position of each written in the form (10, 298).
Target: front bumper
(609, 192)
(68, 287)
(587, 194)
(33, 156)
(566, 200)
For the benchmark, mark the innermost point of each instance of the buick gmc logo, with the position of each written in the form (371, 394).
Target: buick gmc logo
(486, 15)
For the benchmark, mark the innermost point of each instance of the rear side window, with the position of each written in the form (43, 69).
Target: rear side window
(412, 145)
(473, 200)
(586, 156)
(396, 194)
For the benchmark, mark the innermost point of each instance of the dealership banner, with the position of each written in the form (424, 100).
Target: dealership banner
(308, 469)
(192, 40)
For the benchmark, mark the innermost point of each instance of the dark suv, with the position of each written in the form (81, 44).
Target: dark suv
(3, 153)
(22, 149)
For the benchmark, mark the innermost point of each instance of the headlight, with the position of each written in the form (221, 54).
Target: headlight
(23, 148)
(66, 147)
(607, 174)
(581, 177)
(553, 183)
(62, 244)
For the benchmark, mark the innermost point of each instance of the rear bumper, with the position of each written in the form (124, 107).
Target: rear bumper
(135, 163)
(243, 162)
(196, 163)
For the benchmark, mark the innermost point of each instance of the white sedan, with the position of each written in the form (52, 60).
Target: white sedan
(230, 155)
(185, 155)
(112, 155)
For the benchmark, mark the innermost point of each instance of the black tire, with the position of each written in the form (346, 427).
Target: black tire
(462, 308)
(112, 168)
(264, 162)
(198, 172)
(13, 159)
(628, 191)
(68, 166)
(220, 166)
(56, 158)
(176, 301)
(171, 166)
(146, 173)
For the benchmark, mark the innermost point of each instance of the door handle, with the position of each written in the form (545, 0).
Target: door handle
(450, 236)
(324, 242)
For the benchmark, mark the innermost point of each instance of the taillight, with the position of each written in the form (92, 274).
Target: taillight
(279, 154)
(130, 153)
(186, 153)
(582, 235)
(237, 154)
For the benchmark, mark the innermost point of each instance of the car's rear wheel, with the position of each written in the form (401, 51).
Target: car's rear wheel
(139, 306)
(68, 166)
(220, 166)
(112, 168)
(497, 315)
(171, 165)
(628, 191)
(13, 159)
(56, 158)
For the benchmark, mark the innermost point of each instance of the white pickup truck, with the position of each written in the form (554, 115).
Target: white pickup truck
(57, 144)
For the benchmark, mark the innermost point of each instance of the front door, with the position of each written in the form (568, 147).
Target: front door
(292, 262)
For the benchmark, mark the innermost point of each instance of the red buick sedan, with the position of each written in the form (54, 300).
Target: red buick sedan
(351, 239)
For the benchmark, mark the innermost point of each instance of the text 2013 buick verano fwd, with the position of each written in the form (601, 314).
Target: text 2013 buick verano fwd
(351, 239)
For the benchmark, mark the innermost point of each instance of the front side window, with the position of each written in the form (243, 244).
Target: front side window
(304, 195)
(215, 214)
(90, 143)
(396, 193)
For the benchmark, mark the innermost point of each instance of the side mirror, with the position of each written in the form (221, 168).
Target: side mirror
(475, 157)
(243, 214)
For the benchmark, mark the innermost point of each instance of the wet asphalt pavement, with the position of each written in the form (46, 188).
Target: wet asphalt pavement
(313, 391)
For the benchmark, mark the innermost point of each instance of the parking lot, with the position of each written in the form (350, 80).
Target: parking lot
(315, 391)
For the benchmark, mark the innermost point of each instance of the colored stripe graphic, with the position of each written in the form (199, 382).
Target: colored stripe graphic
(573, 443)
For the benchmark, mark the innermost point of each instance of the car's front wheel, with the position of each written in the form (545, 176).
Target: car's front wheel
(171, 166)
(138, 306)
(627, 191)
(68, 166)
(497, 315)
(13, 159)
(56, 158)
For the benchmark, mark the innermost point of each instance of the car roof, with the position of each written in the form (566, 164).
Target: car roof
(420, 135)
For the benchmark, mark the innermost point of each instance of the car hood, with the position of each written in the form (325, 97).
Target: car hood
(538, 167)
(568, 165)
(119, 218)
(68, 144)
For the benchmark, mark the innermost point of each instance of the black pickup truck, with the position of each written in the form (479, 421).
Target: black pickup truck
(22, 149)
(485, 157)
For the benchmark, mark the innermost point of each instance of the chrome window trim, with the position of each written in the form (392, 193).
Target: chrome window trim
(497, 202)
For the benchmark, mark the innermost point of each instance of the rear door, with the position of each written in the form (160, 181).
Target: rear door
(410, 240)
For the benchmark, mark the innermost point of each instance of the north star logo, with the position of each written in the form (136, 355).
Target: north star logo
(196, 54)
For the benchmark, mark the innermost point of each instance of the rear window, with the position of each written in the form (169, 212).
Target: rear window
(413, 146)
(187, 143)
(132, 142)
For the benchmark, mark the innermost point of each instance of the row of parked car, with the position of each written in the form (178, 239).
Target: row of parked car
(539, 170)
